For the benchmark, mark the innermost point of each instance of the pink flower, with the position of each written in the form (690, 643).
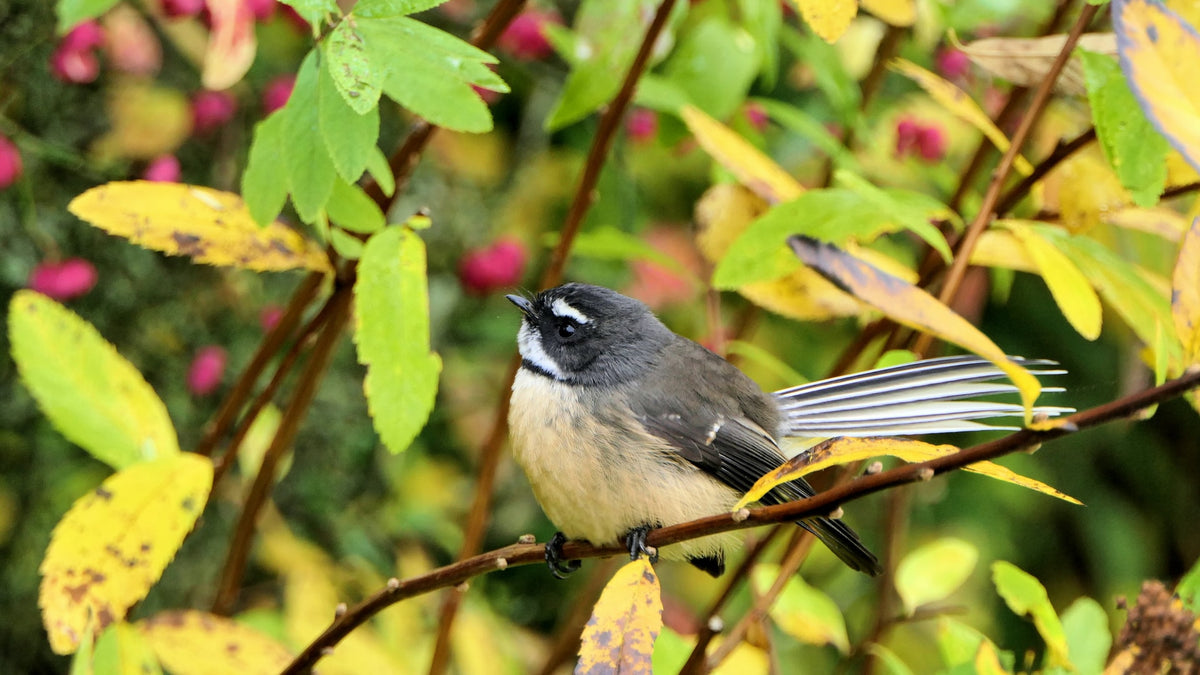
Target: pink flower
(74, 60)
(178, 9)
(269, 316)
(277, 92)
(130, 45)
(485, 270)
(756, 116)
(931, 143)
(162, 169)
(907, 131)
(641, 125)
(263, 10)
(87, 35)
(211, 110)
(10, 163)
(64, 280)
(204, 375)
(953, 64)
(525, 38)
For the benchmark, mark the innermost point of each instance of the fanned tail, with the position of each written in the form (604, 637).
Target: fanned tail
(923, 397)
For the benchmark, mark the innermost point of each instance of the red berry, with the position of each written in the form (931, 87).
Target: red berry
(162, 169)
(77, 66)
(525, 38)
(11, 166)
(277, 93)
(178, 9)
(204, 375)
(641, 125)
(486, 270)
(756, 116)
(907, 131)
(211, 110)
(931, 143)
(953, 64)
(64, 280)
(87, 35)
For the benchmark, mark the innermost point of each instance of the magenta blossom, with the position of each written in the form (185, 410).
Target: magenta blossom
(162, 169)
(64, 280)
(489, 269)
(277, 93)
(204, 375)
(212, 110)
(641, 125)
(525, 37)
(11, 165)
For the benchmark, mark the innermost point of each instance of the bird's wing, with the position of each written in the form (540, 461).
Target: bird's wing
(922, 397)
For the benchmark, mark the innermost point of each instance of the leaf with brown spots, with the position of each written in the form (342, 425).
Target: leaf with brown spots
(619, 638)
(198, 643)
(114, 543)
(209, 226)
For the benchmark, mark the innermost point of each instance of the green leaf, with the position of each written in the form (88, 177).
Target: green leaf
(1134, 148)
(392, 335)
(264, 185)
(892, 664)
(381, 171)
(73, 12)
(356, 78)
(123, 649)
(957, 642)
(763, 20)
(714, 64)
(802, 611)
(1188, 589)
(348, 136)
(1088, 638)
(314, 11)
(347, 245)
(96, 398)
(911, 209)
(351, 209)
(310, 171)
(430, 72)
(381, 8)
(934, 571)
(823, 60)
(1024, 594)
(810, 128)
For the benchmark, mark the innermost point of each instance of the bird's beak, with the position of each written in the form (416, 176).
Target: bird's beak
(522, 304)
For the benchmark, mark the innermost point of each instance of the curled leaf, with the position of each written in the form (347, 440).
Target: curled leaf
(1026, 61)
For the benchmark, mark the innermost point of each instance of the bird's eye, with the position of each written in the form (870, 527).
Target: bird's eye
(566, 329)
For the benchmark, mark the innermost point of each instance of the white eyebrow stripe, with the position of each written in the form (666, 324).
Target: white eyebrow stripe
(561, 308)
(529, 343)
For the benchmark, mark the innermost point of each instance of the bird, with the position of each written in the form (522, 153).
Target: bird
(623, 426)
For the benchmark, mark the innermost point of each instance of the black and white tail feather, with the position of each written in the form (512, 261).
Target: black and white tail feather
(923, 397)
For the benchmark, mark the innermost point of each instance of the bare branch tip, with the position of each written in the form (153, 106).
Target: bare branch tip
(741, 515)
(393, 584)
(874, 468)
(925, 473)
(501, 563)
(716, 624)
(837, 513)
(340, 610)
(463, 587)
(527, 539)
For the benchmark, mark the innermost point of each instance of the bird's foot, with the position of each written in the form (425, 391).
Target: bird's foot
(635, 540)
(560, 567)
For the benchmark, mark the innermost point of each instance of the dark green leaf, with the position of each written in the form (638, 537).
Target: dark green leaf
(1134, 148)
(310, 171)
(264, 186)
(351, 209)
(392, 335)
(714, 64)
(349, 137)
(72, 12)
(382, 8)
(357, 79)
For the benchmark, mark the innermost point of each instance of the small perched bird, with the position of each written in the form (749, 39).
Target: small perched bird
(622, 425)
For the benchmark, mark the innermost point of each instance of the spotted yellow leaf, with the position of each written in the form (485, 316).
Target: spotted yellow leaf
(828, 18)
(1159, 51)
(190, 642)
(902, 13)
(210, 226)
(1185, 294)
(846, 450)
(751, 167)
(113, 544)
(1073, 293)
(619, 638)
(911, 306)
(960, 105)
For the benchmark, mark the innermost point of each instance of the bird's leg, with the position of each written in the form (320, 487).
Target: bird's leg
(559, 567)
(635, 540)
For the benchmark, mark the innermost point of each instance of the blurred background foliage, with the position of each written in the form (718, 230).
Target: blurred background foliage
(350, 514)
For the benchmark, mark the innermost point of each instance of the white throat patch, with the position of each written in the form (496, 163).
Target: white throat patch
(561, 308)
(529, 343)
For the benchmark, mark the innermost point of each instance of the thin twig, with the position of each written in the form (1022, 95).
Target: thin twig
(1064, 150)
(818, 505)
(962, 252)
(581, 203)
(306, 389)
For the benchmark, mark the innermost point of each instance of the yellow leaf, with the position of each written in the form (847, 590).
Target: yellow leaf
(911, 306)
(1185, 294)
(828, 18)
(902, 13)
(960, 105)
(114, 543)
(751, 167)
(987, 660)
(804, 612)
(190, 642)
(1157, 220)
(231, 44)
(1071, 290)
(1026, 61)
(1122, 663)
(998, 248)
(146, 121)
(1085, 189)
(1158, 53)
(210, 226)
(619, 638)
(745, 659)
(846, 450)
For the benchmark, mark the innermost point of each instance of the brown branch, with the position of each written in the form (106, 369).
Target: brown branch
(270, 344)
(1064, 150)
(581, 203)
(306, 389)
(1179, 190)
(818, 505)
(962, 252)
